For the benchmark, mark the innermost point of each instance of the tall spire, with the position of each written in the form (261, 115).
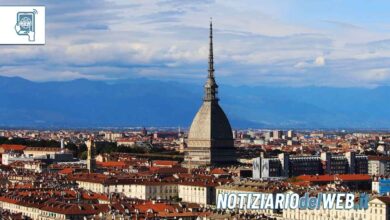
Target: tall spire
(211, 55)
(211, 87)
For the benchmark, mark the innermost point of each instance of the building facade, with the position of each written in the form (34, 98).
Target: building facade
(197, 192)
(210, 139)
(289, 166)
(378, 165)
(133, 189)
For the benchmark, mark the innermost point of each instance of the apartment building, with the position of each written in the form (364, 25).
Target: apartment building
(285, 165)
(200, 192)
(378, 165)
(378, 209)
(140, 188)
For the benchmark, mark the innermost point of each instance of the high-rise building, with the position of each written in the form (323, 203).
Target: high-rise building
(290, 134)
(210, 139)
(285, 165)
(378, 165)
(277, 134)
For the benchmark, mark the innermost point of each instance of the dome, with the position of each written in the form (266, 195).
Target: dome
(210, 123)
(210, 139)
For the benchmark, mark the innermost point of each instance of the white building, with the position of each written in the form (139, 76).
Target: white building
(12, 206)
(378, 165)
(9, 158)
(127, 142)
(197, 192)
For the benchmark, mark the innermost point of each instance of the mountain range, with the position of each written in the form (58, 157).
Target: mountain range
(143, 102)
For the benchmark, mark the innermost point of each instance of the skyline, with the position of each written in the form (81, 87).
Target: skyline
(335, 44)
(195, 110)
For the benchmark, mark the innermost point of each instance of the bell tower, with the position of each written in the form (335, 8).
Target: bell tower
(91, 161)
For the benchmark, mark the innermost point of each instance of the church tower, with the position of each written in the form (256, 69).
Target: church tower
(210, 139)
(91, 161)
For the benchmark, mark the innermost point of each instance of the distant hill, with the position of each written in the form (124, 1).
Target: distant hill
(143, 102)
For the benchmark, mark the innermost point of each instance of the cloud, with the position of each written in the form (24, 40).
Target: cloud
(318, 62)
(342, 24)
(379, 75)
(301, 65)
(95, 26)
(253, 43)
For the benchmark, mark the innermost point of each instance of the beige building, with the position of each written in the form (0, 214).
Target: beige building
(50, 211)
(197, 192)
(147, 190)
(13, 207)
(133, 188)
(126, 142)
(378, 209)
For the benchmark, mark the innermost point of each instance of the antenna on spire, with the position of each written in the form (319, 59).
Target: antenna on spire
(211, 87)
(211, 55)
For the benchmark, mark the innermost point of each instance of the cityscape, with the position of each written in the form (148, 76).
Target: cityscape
(99, 166)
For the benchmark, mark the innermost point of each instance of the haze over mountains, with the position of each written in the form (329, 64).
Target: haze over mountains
(143, 102)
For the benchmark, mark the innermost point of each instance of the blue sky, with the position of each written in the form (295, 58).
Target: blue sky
(337, 43)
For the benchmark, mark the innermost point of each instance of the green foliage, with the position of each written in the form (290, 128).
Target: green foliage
(81, 149)
(83, 155)
(105, 147)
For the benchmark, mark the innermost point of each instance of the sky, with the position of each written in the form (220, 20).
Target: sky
(335, 43)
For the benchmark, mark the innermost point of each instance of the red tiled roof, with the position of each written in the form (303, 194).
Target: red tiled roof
(157, 207)
(180, 214)
(75, 209)
(8, 147)
(165, 162)
(46, 149)
(66, 171)
(378, 158)
(385, 199)
(167, 170)
(218, 171)
(117, 164)
(99, 196)
(199, 183)
(23, 186)
(89, 177)
(330, 178)
(110, 180)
